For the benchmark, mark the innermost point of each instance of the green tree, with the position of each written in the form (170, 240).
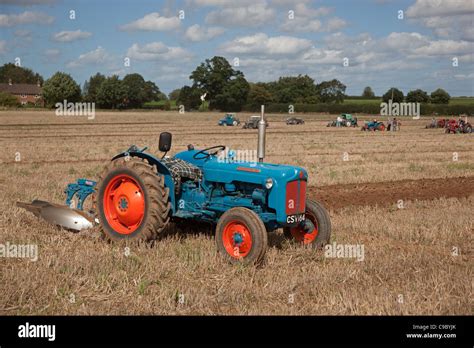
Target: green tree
(91, 87)
(215, 77)
(259, 94)
(395, 94)
(331, 91)
(112, 93)
(135, 85)
(417, 96)
(174, 94)
(6, 99)
(233, 96)
(190, 98)
(440, 96)
(140, 91)
(152, 92)
(368, 92)
(19, 74)
(60, 87)
(294, 89)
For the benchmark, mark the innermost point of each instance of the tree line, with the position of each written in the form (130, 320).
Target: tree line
(215, 83)
(438, 96)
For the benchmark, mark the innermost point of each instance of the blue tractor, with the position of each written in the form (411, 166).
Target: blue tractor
(139, 194)
(229, 119)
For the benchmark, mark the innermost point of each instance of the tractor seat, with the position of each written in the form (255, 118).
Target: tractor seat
(182, 170)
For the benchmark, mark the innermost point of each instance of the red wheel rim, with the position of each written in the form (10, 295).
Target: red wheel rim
(237, 239)
(124, 204)
(306, 237)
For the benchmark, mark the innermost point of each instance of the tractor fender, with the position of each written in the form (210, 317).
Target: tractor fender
(162, 169)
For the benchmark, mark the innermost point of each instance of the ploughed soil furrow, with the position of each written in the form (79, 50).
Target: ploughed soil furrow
(388, 193)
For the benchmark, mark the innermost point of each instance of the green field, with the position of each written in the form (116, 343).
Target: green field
(453, 101)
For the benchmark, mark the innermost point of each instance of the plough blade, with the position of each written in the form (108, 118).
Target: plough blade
(61, 215)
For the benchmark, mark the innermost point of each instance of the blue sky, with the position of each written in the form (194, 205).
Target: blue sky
(268, 39)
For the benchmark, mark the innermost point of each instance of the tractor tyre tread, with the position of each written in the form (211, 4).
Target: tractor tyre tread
(157, 215)
(324, 222)
(257, 228)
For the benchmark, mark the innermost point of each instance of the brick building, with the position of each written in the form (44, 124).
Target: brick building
(24, 92)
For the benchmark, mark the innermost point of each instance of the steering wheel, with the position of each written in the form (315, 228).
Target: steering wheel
(205, 154)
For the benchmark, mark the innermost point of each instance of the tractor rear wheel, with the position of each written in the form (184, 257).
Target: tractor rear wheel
(321, 220)
(241, 236)
(132, 201)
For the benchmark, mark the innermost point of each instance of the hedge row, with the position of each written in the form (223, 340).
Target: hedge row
(369, 108)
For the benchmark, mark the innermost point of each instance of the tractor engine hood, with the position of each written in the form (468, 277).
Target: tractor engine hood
(286, 196)
(256, 173)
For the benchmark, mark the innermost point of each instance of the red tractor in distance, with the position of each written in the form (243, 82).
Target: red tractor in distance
(441, 123)
(457, 127)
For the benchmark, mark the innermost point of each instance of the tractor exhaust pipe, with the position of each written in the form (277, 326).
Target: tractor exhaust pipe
(261, 136)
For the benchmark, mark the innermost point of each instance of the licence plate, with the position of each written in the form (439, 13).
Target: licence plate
(295, 218)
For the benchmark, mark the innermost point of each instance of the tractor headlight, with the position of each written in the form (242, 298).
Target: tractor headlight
(269, 183)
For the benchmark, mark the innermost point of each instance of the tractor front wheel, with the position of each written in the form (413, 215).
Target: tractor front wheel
(241, 236)
(132, 201)
(320, 234)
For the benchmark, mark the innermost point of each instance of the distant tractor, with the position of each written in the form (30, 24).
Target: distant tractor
(294, 121)
(457, 127)
(346, 120)
(441, 123)
(252, 122)
(373, 126)
(229, 119)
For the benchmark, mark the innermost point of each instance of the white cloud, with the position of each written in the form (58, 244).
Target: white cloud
(293, 25)
(302, 10)
(253, 15)
(158, 51)
(197, 33)
(69, 36)
(444, 47)
(464, 76)
(322, 56)
(22, 33)
(51, 55)
(95, 57)
(335, 24)
(448, 19)
(260, 43)
(305, 20)
(27, 17)
(26, 36)
(225, 3)
(430, 8)
(405, 41)
(153, 22)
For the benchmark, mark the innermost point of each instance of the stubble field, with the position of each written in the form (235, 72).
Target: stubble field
(407, 197)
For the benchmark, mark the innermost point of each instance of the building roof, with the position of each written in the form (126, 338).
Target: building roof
(20, 88)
